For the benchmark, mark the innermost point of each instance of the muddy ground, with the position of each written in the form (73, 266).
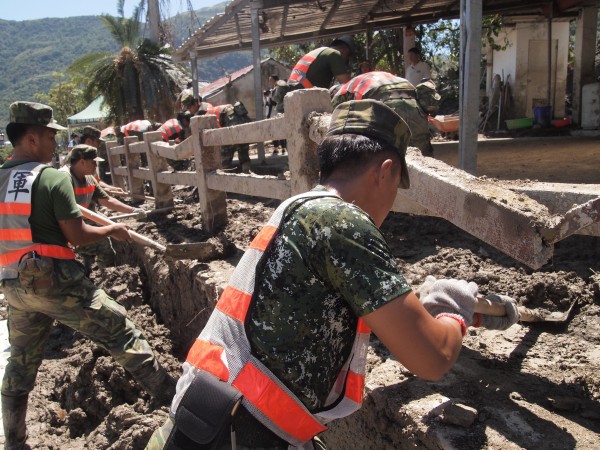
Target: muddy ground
(532, 386)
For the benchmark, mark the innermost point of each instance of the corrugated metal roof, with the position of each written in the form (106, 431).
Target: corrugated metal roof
(283, 22)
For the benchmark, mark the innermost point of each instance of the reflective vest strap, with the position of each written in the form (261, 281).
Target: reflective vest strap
(207, 356)
(364, 86)
(23, 209)
(51, 251)
(265, 395)
(54, 251)
(262, 239)
(362, 327)
(355, 385)
(306, 83)
(234, 303)
(16, 234)
(85, 190)
(350, 85)
(301, 68)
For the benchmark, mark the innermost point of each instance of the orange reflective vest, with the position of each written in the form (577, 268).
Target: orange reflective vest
(15, 208)
(84, 191)
(362, 84)
(300, 70)
(170, 128)
(216, 110)
(136, 126)
(222, 348)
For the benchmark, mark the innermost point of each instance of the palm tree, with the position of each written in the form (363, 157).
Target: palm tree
(140, 81)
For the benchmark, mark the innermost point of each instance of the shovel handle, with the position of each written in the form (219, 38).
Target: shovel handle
(488, 307)
(104, 221)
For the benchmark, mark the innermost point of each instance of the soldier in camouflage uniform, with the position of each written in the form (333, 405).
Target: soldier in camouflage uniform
(398, 94)
(40, 278)
(303, 307)
(83, 160)
(231, 115)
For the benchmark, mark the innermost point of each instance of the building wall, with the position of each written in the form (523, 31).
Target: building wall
(242, 88)
(524, 65)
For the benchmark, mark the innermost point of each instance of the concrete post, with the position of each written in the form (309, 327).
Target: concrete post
(470, 58)
(163, 195)
(258, 96)
(114, 161)
(208, 159)
(583, 70)
(132, 162)
(302, 159)
(194, 71)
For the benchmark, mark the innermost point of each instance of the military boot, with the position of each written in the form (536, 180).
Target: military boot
(157, 382)
(14, 410)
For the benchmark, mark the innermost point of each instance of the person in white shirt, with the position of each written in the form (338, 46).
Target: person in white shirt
(416, 69)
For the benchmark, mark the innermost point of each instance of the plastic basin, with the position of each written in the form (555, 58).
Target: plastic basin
(515, 124)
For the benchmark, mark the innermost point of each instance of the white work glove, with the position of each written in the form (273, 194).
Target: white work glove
(450, 297)
(141, 213)
(423, 290)
(498, 322)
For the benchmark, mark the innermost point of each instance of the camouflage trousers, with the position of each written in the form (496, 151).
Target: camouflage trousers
(102, 251)
(161, 435)
(227, 152)
(76, 302)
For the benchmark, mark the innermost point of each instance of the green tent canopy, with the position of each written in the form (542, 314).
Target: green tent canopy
(93, 114)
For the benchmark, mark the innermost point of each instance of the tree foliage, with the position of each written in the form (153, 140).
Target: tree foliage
(65, 97)
(138, 82)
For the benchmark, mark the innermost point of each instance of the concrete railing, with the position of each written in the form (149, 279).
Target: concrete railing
(523, 224)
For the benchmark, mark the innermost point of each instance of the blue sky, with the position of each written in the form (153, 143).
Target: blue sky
(40, 9)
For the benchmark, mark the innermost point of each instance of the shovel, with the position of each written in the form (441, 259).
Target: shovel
(199, 250)
(490, 308)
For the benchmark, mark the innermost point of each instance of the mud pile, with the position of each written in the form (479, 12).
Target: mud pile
(527, 387)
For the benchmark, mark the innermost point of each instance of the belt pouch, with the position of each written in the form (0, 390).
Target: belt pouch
(204, 414)
(36, 274)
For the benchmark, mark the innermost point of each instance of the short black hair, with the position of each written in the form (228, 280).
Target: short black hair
(275, 77)
(414, 50)
(16, 131)
(351, 153)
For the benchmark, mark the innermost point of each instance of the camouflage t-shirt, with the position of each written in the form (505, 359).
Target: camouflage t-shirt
(328, 265)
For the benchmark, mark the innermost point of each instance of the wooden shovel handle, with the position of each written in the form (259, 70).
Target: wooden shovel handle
(488, 307)
(102, 220)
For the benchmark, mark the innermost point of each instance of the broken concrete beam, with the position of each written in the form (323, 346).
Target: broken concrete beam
(500, 217)
(559, 198)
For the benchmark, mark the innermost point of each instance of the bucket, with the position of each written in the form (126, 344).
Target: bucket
(541, 115)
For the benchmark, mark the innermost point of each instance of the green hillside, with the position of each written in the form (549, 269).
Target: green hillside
(31, 50)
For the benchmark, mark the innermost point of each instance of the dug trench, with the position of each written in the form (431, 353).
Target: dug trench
(531, 386)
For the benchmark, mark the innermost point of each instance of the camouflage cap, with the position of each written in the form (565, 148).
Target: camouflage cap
(92, 132)
(29, 113)
(83, 151)
(373, 119)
